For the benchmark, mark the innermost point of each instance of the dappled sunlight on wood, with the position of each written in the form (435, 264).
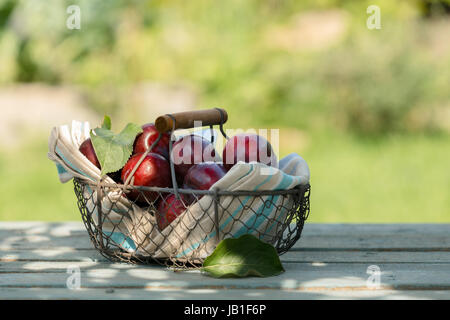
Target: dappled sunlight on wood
(318, 264)
(326, 263)
(53, 265)
(103, 273)
(152, 273)
(335, 282)
(53, 253)
(10, 242)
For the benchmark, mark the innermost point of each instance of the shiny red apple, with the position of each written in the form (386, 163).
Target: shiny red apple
(188, 151)
(247, 148)
(154, 171)
(149, 135)
(87, 149)
(170, 208)
(203, 175)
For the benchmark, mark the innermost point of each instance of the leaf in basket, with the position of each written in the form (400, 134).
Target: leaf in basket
(113, 150)
(243, 257)
(106, 123)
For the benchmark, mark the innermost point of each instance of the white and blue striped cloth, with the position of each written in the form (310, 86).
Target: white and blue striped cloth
(192, 234)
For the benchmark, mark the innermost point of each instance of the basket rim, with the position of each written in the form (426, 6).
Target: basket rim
(212, 192)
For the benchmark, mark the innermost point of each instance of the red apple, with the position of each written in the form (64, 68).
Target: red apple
(203, 175)
(154, 171)
(188, 151)
(247, 148)
(170, 208)
(145, 139)
(87, 149)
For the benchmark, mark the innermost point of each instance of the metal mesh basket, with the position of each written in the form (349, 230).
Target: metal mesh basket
(132, 230)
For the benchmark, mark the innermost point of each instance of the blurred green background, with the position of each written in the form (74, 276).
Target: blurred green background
(369, 110)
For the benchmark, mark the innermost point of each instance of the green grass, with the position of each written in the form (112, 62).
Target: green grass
(30, 189)
(391, 179)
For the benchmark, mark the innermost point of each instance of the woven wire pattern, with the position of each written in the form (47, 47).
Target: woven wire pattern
(289, 211)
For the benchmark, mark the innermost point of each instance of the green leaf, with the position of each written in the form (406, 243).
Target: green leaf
(113, 150)
(106, 123)
(243, 257)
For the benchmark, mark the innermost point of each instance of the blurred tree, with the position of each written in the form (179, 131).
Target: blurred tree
(6, 8)
(431, 8)
(27, 69)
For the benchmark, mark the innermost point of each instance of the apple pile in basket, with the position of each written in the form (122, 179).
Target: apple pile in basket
(195, 163)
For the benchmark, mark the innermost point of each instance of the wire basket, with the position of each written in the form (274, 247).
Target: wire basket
(133, 231)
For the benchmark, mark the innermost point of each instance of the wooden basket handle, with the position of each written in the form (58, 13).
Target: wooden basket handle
(185, 120)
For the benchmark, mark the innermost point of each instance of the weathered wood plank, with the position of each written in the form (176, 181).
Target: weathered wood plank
(297, 277)
(60, 228)
(54, 266)
(398, 242)
(207, 294)
(377, 228)
(369, 257)
(34, 235)
(30, 242)
(37, 227)
(13, 258)
(60, 266)
(315, 236)
(329, 261)
(397, 236)
(59, 254)
(406, 243)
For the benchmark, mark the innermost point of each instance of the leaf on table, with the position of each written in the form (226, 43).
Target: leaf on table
(243, 257)
(113, 150)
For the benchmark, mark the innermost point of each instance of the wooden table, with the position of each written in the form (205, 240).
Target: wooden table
(330, 261)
